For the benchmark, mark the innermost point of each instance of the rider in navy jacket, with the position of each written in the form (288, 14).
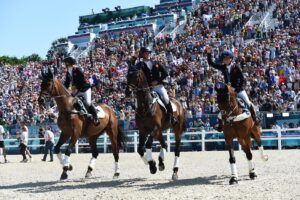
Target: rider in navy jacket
(155, 74)
(75, 77)
(232, 75)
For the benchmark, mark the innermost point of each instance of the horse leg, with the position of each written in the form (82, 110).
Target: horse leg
(162, 153)
(177, 154)
(62, 139)
(256, 133)
(151, 162)
(66, 162)
(95, 153)
(234, 174)
(247, 150)
(113, 136)
(141, 148)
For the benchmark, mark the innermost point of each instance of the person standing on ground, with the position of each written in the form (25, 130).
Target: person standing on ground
(42, 140)
(49, 139)
(24, 142)
(2, 146)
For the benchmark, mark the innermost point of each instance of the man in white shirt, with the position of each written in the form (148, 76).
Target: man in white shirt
(24, 142)
(2, 146)
(49, 144)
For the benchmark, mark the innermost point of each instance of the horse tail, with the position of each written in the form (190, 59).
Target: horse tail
(121, 139)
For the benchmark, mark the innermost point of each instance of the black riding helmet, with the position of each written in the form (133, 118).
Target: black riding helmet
(143, 50)
(224, 54)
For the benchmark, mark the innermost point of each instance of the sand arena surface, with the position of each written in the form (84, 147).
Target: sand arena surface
(202, 175)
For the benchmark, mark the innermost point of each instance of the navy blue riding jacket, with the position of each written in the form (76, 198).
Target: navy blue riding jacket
(76, 77)
(235, 77)
(158, 72)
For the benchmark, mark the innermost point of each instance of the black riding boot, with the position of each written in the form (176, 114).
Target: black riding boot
(254, 116)
(170, 116)
(218, 127)
(93, 111)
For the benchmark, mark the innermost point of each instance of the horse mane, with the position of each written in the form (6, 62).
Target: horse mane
(60, 84)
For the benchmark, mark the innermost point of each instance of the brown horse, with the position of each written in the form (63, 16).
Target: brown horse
(73, 125)
(151, 121)
(237, 124)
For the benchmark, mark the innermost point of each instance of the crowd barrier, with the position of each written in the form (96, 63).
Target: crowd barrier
(191, 140)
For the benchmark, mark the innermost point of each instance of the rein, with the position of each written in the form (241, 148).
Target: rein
(228, 117)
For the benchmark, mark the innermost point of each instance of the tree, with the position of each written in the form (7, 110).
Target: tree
(59, 47)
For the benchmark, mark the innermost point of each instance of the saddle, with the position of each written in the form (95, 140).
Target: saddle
(156, 98)
(83, 110)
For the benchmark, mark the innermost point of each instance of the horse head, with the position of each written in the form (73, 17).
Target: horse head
(226, 98)
(48, 86)
(136, 79)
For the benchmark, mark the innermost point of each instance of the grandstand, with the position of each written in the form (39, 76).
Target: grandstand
(268, 57)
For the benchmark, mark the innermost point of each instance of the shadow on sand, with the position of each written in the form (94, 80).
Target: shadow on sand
(141, 183)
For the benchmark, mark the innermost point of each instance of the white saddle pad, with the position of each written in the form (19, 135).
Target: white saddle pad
(100, 112)
(174, 108)
(242, 116)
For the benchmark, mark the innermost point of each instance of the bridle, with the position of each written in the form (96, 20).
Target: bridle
(135, 88)
(44, 94)
(228, 112)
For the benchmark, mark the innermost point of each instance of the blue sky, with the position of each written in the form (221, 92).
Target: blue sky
(30, 26)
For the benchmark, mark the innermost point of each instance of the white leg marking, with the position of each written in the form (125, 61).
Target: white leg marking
(162, 153)
(176, 162)
(117, 167)
(66, 161)
(92, 163)
(263, 156)
(251, 166)
(149, 155)
(144, 160)
(233, 170)
(60, 157)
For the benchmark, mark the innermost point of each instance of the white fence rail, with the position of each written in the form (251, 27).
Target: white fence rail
(278, 135)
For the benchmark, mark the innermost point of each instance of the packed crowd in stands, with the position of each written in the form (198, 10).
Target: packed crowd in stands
(270, 64)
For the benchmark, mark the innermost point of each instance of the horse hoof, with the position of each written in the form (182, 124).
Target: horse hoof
(63, 176)
(233, 180)
(88, 175)
(152, 167)
(252, 175)
(161, 167)
(265, 158)
(175, 176)
(116, 175)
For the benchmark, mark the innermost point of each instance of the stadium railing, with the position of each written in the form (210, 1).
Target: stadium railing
(201, 139)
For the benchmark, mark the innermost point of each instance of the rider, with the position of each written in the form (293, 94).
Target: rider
(75, 77)
(155, 74)
(232, 75)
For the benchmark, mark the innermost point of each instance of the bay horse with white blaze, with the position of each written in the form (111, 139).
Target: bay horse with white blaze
(151, 120)
(237, 124)
(74, 125)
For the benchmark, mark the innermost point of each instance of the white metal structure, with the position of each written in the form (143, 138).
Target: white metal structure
(134, 139)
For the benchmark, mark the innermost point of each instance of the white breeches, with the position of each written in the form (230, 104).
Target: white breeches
(160, 89)
(243, 95)
(87, 96)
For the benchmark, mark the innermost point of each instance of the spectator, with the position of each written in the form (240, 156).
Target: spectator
(2, 145)
(24, 143)
(42, 140)
(49, 138)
